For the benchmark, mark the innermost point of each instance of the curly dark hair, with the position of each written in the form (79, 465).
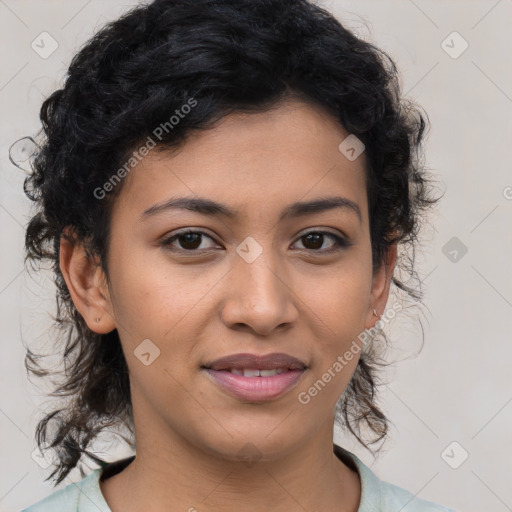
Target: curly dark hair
(230, 56)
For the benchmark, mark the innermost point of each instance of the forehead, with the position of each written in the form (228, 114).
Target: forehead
(252, 162)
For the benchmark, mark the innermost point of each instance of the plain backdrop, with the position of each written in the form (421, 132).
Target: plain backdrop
(450, 406)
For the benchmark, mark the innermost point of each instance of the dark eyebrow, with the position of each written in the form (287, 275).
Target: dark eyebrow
(212, 208)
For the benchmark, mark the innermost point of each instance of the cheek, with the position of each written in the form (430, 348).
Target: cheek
(148, 298)
(341, 307)
(151, 303)
(341, 296)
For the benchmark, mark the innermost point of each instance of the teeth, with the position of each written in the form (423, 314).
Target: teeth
(269, 373)
(252, 372)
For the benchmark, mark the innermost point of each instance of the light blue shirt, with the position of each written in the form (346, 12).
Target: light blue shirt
(376, 495)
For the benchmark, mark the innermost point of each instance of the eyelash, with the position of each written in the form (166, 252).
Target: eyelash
(340, 243)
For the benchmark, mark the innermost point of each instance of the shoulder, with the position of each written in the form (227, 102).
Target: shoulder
(395, 498)
(380, 496)
(82, 496)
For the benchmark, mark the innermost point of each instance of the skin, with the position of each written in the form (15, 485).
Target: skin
(292, 298)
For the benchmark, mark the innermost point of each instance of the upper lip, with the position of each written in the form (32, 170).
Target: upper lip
(255, 361)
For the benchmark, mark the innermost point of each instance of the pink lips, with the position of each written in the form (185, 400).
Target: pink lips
(256, 388)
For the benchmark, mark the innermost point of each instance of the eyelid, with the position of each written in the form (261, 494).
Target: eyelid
(323, 231)
(341, 240)
(166, 239)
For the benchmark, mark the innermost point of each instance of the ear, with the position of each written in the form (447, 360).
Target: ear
(380, 286)
(87, 284)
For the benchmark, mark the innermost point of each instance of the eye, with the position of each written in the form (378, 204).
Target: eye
(315, 240)
(189, 240)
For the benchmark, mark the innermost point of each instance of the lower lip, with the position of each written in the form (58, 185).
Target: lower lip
(257, 389)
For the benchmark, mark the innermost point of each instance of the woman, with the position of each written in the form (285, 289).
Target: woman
(223, 189)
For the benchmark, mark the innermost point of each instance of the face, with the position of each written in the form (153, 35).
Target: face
(255, 282)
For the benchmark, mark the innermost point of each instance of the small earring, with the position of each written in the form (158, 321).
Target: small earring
(375, 313)
(98, 319)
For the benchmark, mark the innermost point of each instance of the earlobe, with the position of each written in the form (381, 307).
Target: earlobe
(381, 286)
(86, 284)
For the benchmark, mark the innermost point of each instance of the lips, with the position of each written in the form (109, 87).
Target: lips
(240, 362)
(255, 378)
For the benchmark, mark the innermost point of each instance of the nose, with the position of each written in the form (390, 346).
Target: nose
(259, 296)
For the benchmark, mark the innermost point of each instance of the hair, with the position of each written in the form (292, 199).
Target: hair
(229, 56)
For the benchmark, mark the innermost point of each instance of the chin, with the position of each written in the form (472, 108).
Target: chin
(252, 444)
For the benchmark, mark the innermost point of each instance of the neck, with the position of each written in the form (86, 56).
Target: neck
(269, 487)
(179, 475)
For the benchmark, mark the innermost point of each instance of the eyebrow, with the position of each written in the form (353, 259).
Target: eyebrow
(208, 207)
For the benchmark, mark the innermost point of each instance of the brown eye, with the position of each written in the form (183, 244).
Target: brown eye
(187, 241)
(314, 240)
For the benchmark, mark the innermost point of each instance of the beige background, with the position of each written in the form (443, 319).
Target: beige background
(458, 388)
